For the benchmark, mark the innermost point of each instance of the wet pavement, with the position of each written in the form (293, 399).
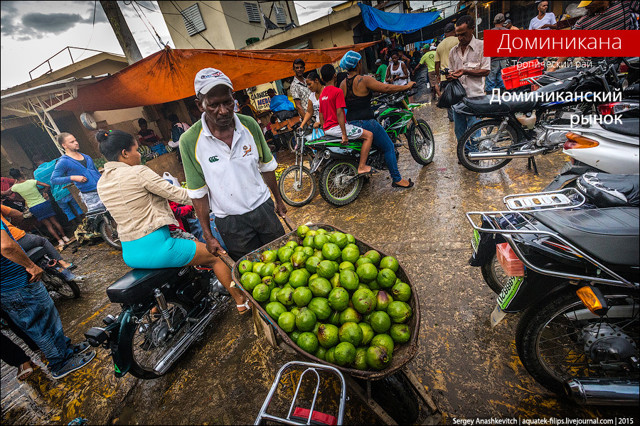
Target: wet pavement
(469, 369)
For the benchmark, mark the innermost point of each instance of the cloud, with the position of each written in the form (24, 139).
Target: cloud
(36, 25)
(8, 6)
(54, 23)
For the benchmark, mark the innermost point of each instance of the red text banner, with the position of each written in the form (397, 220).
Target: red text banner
(570, 43)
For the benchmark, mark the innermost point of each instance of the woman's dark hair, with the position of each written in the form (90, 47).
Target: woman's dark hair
(313, 76)
(173, 118)
(327, 72)
(466, 19)
(141, 121)
(15, 173)
(112, 142)
(340, 78)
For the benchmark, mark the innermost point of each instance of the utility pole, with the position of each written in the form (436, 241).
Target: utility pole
(121, 29)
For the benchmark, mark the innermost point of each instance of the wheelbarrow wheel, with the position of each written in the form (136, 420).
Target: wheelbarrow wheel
(396, 396)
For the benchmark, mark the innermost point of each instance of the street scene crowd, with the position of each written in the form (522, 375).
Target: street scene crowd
(231, 203)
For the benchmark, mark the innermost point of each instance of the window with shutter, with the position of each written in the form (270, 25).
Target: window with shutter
(253, 13)
(281, 17)
(193, 19)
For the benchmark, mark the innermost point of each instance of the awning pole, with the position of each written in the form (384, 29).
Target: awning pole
(47, 121)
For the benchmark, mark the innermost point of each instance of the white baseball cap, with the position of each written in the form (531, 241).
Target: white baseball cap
(209, 78)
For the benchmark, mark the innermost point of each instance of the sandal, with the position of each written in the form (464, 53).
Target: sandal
(24, 373)
(369, 173)
(395, 185)
(246, 305)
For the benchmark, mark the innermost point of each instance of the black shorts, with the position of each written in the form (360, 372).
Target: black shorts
(247, 232)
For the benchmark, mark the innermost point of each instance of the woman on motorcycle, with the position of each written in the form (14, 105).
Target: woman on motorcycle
(315, 84)
(137, 198)
(357, 91)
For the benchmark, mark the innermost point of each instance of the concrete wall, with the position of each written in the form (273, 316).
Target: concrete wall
(217, 31)
(335, 28)
(227, 24)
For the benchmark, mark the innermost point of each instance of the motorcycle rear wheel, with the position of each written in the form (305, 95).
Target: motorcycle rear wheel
(297, 189)
(337, 184)
(66, 289)
(485, 129)
(549, 336)
(109, 232)
(494, 275)
(148, 346)
(421, 143)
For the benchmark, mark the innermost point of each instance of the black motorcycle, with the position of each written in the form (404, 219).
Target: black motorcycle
(54, 277)
(516, 129)
(597, 190)
(575, 274)
(164, 311)
(99, 223)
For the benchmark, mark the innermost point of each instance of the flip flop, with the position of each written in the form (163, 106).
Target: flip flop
(246, 305)
(369, 173)
(24, 373)
(395, 185)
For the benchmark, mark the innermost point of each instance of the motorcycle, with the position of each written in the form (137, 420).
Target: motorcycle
(337, 164)
(55, 278)
(515, 129)
(99, 223)
(575, 275)
(600, 190)
(396, 116)
(164, 311)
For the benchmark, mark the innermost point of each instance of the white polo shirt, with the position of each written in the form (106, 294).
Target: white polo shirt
(232, 176)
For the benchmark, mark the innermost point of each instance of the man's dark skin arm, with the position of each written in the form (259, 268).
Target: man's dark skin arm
(472, 72)
(12, 251)
(201, 206)
(299, 109)
(270, 179)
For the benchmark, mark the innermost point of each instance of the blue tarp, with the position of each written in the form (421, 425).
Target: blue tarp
(398, 22)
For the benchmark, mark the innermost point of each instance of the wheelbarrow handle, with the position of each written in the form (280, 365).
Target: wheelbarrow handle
(227, 260)
(286, 221)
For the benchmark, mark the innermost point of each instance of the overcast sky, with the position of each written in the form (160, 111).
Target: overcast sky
(33, 31)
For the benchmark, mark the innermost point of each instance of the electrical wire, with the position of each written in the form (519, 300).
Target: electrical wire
(93, 26)
(220, 11)
(150, 23)
(191, 22)
(178, 32)
(145, 25)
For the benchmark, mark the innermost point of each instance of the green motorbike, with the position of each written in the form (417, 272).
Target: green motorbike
(396, 116)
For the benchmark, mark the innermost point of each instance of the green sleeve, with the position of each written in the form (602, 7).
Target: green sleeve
(192, 168)
(253, 126)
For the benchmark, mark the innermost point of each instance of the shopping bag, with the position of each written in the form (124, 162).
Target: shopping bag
(452, 94)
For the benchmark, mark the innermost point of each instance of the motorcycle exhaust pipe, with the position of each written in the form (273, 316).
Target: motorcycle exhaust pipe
(498, 156)
(587, 391)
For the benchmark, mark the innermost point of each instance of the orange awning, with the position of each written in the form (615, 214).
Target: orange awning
(168, 75)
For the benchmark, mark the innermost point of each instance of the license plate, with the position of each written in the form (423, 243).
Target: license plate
(509, 291)
(475, 241)
(497, 315)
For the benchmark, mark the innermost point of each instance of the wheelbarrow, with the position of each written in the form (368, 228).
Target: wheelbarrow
(394, 394)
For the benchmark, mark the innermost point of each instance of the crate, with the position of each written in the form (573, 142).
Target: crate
(514, 76)
(510, 263)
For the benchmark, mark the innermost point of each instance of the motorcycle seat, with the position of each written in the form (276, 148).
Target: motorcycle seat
(483, 104)
(629, 127)
(36, 253)
(611, 235)
(138, 284)
(96, 212)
